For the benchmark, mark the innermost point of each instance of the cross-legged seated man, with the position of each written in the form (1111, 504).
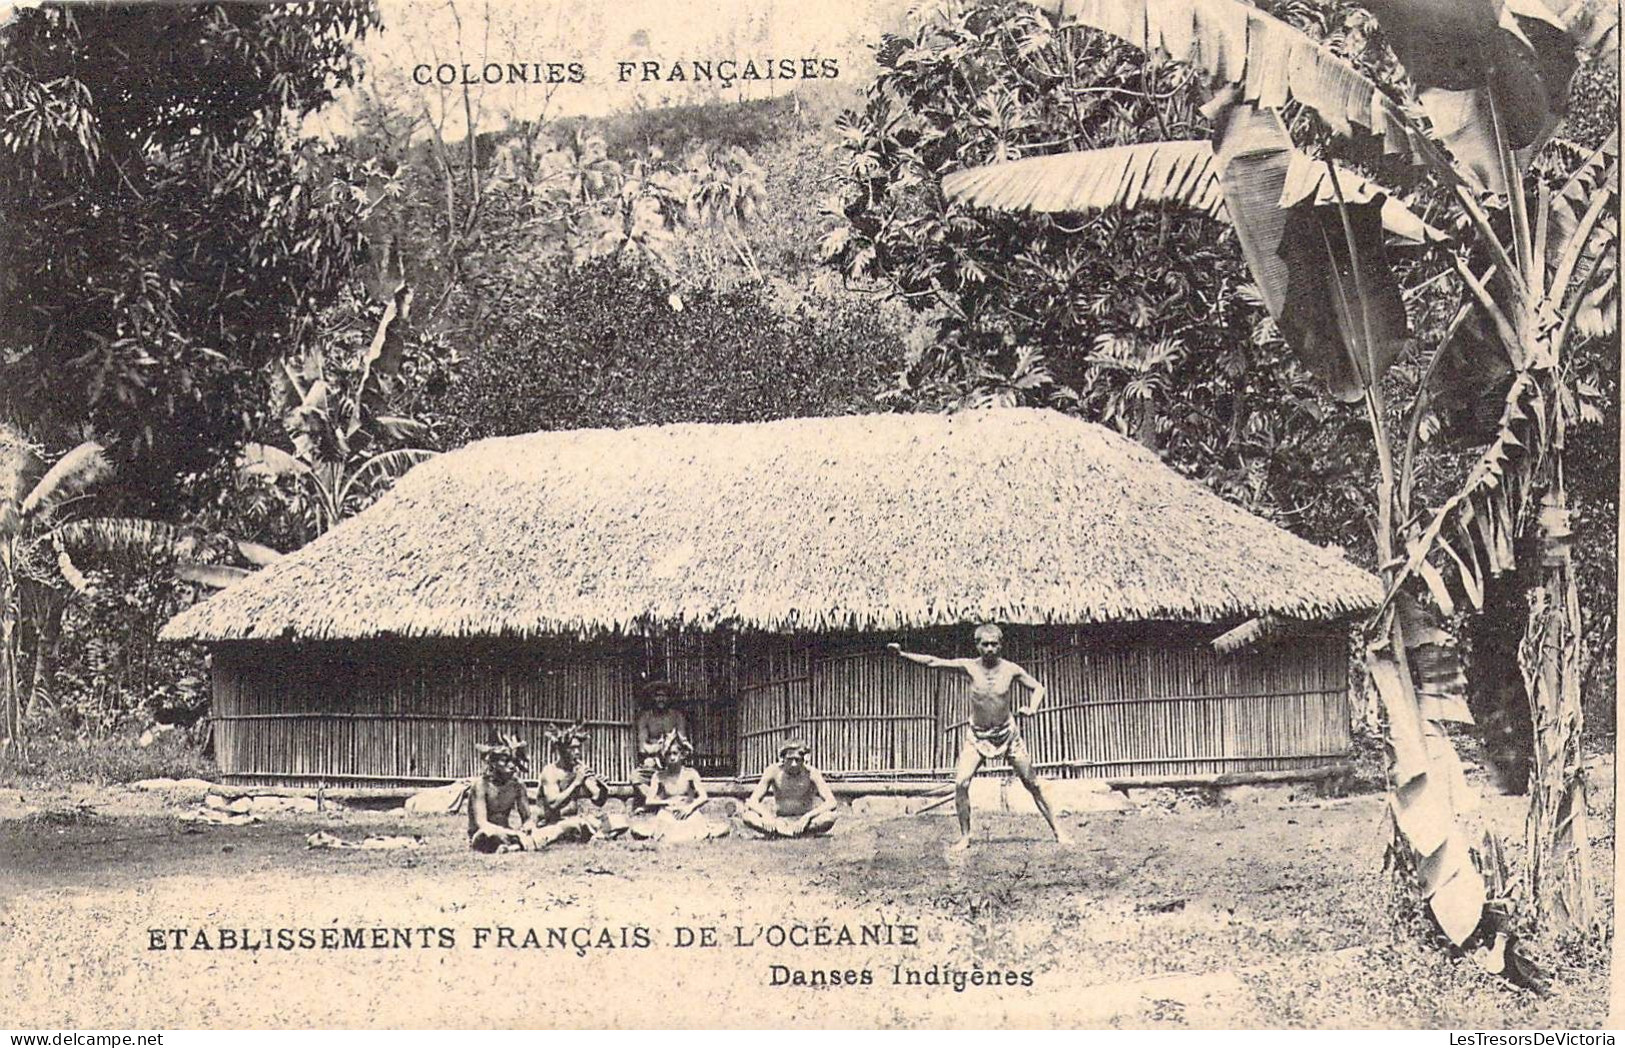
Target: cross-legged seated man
(497, 796)
(673, 798)
(802, 803)
(568, 787)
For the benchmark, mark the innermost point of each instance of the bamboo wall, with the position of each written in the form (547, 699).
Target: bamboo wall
(412, 712)
(1122, 702)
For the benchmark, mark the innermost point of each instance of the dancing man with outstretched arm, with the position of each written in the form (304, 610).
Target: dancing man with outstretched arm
(993, 731)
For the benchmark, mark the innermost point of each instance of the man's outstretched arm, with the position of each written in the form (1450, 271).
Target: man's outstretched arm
(930, 661)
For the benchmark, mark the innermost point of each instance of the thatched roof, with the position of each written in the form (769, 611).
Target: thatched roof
(868, 522)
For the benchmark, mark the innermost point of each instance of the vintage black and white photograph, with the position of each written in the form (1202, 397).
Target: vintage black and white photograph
(753, 514)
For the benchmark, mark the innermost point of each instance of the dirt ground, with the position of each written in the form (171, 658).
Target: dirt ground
(1268, 911)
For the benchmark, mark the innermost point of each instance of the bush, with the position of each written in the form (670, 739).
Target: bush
(59, 754)
(608, 344)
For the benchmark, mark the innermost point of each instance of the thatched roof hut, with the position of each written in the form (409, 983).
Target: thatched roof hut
(831, 530)
(870, 522)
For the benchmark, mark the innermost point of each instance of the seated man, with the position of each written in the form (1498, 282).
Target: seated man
(803, 805)
(565, 785)
(496, 795)
(654, 723)
(674, 793)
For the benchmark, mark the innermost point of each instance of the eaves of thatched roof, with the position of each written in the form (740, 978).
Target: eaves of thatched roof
(871, 522)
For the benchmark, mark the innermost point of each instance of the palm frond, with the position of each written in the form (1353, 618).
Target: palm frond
(80, 469)
(124, 536)
(1180, 172)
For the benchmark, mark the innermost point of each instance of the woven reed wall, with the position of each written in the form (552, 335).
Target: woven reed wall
(1122, 702)
(405, 713)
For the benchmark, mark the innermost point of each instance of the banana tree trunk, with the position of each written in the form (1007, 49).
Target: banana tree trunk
(1556, 837)
(47, 646)
(11, 713)
(1495, 687)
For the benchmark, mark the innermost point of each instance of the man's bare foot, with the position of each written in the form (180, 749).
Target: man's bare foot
(962, 844)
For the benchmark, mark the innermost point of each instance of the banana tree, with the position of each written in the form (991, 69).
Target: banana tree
(333, 413)
(42, 529)
(1537, 270)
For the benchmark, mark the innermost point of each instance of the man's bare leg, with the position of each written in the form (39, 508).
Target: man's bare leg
(1035, 786)
(820, 825)
(759, 823)
(964, 772)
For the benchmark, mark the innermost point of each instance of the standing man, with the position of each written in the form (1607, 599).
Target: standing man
(993, 731)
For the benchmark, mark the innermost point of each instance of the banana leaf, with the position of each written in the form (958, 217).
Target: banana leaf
(1483, 65)
(1299, 257)
(1268, 61)
(1283, 205)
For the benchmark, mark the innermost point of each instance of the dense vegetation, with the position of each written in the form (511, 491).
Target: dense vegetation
(716, 263)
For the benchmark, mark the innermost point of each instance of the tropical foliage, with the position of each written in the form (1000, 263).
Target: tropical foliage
(45, 531)
(166, 235)
(1141, 318)
(603, 344)
(342, 440)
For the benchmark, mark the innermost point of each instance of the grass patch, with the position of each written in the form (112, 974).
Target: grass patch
(57, 756)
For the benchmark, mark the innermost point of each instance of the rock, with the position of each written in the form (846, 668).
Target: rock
(177, 788)
(881, 807)
(1273, 793)
(439, 800)
(1070, 796)
(274, 805)
(240, 806)
(218, 816)
(214, 802)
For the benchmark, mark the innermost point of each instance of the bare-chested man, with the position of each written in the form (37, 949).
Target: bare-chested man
(567, 786)
(993, 731)
(494, 797)
(655, 722)
(803, 804)
(672, 798)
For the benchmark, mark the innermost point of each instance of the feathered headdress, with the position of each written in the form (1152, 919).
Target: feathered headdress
(559, 739)
(510, 746)
(675, 740)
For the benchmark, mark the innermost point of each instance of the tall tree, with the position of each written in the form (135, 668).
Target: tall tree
(167, 231)
(1535, 256)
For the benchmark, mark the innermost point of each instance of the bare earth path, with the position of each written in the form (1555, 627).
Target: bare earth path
(1240, 914)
